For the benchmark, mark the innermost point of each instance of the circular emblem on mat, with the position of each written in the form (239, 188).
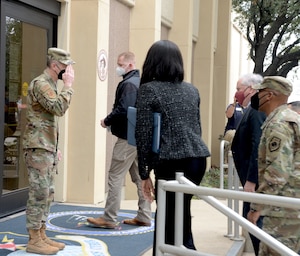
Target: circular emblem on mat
(75, 222)
(93, 248)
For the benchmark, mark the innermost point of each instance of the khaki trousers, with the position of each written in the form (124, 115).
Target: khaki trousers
(124, 159)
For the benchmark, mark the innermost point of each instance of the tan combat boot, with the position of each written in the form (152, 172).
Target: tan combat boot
(37, 245)
(48, 241)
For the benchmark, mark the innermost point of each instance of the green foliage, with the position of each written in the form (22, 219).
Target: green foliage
(273, 31)
(212, 178)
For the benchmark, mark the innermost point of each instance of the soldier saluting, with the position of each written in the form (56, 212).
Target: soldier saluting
(40, 143)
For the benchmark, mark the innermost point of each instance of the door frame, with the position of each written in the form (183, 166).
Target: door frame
(38, 13)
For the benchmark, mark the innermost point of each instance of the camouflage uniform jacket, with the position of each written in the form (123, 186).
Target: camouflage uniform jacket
(44, 105)
(279, 160)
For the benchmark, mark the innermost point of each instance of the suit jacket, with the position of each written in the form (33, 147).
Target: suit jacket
(245, 145)
(181, 134)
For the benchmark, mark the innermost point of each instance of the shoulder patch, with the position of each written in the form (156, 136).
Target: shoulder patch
(274, 144)
(44, 87)
(47, 90)
(51, 94)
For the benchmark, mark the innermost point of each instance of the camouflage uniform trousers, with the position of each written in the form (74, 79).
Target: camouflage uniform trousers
(41, 166)
(285, 230)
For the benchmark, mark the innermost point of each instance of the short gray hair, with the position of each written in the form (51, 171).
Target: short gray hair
(251, 79)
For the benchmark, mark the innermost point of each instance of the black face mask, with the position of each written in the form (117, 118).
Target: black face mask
(255, 101)
(59, 76)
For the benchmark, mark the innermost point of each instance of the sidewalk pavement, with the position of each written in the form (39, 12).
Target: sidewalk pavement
(209, 227)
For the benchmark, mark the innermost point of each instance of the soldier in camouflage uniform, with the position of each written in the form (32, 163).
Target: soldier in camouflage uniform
(279, 163)
(44, 105)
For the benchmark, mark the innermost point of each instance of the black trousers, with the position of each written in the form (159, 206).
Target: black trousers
(194, 170)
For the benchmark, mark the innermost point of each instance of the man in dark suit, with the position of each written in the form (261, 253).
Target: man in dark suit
(245, 144)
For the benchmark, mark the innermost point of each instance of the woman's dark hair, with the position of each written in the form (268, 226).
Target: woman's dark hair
(163, 63)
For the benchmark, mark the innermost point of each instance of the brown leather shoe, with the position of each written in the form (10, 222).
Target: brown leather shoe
(136, 222)
(102, 223)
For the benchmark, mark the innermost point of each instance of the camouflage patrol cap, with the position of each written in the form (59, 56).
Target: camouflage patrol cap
(276, 83)
(60, 55)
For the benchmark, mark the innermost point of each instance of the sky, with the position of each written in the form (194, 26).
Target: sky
(294, 76)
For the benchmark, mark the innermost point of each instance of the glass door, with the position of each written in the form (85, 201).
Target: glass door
(26, 34)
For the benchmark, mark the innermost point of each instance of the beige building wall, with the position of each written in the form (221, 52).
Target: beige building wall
(86, 34)
(63, 42)
(204, 65)
(201, 28)
(221, 75)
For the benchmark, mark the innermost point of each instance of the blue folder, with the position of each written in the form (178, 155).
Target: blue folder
(156, 132)
(131, 122)
(131, 117)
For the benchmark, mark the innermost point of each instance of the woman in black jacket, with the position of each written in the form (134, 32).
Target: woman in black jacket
(181, 147)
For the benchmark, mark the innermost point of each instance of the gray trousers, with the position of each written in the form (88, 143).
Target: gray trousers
(124, 159)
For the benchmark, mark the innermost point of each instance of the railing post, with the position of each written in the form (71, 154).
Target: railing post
(230, 185)
(236, 204)
(179, 214)
(222, 164)
(160, 218)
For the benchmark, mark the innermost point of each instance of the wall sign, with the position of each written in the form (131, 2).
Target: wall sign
(102, 65)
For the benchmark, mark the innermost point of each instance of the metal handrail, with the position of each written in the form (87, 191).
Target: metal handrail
(183, 185)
